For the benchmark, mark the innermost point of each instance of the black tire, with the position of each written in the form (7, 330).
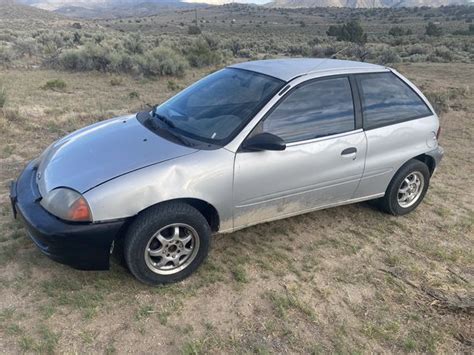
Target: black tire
(389, 203)
(147, 224)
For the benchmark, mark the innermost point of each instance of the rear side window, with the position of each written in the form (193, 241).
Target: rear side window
(386, 100)
(313, 110)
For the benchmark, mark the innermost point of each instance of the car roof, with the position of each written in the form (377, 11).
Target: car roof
(287, 69)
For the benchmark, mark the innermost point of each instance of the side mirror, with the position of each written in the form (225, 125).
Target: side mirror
(264, 141)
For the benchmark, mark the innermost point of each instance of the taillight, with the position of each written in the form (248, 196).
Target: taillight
(438, 133)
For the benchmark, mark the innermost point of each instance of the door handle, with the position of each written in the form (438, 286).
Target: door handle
(349, 153)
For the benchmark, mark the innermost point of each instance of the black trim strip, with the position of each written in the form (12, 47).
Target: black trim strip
(357, 102)
(285, 89)
(398, 122)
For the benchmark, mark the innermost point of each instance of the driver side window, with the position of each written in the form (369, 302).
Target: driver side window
(315, 109)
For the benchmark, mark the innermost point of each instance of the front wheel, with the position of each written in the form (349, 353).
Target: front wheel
(166, 243)
(407, 188)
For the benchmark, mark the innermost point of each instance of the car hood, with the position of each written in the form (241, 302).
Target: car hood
(103, 151)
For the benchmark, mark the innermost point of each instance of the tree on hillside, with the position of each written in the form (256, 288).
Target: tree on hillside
(351, 31)
(433, 30)
(398, 31)
(194, 30)
(333, 30)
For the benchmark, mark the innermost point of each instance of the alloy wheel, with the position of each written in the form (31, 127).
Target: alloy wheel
(172, 249)
(410, 189)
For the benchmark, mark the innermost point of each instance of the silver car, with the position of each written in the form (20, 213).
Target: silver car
(251, 143)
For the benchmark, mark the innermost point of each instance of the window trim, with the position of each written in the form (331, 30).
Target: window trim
(355, 105)
(357, 79)
(324, 138)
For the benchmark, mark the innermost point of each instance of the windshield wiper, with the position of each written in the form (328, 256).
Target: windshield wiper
(164, 119)
(170, 124)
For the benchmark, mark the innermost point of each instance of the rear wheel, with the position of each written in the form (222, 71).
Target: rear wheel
(167, 243)
(407, 188)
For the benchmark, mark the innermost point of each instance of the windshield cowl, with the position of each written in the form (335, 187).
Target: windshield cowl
(150, 121)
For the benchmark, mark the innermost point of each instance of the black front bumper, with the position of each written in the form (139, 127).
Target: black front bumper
(84, 246)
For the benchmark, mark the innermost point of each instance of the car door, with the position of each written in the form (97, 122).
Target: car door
(398, 124)
(321, 165)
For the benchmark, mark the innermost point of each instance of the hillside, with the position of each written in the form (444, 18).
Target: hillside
(121, 4)
(22, 17)
(107, 8)
(363, 3)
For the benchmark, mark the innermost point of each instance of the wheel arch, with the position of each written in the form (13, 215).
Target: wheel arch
(428, 160)
(209, 212)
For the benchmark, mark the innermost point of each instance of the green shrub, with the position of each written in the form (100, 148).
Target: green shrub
(121, 62)
(55, 85)
(468, 32)
(234, 45)
(156, 62)
(116, 81)
(433, 30)
(6, 55)
(164, 61)
(356, 52)
(200, 54)
(351, 31)
(389, 56)
(71, 60)
(3, 97)
(417, 58)
(417, 49)
(25, 47)
(77, 38)
(333, 30)
(299, 50)
(134, 44)
(173, 86)
(398, 31)
(444, 53)
(318, 51)
(133, 95)
(439, 101)
(194, 30)
(91, 57)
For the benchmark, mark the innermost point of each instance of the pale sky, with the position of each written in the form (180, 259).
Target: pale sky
(220, 2)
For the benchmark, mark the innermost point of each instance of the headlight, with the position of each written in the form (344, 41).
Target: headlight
(67, 204)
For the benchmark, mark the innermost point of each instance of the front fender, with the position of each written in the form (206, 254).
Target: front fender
(206, 175)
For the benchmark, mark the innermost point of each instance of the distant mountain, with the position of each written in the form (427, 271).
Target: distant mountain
(364, 3)
(121, 8)
(126, 10)
(91, 4)
(108, 8)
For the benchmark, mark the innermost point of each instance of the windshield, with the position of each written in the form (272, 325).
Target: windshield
(216, 108)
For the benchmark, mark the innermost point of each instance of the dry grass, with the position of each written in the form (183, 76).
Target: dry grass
(348, 279)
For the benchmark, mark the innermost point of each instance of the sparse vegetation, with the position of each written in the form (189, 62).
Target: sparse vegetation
(3, 96)
(133, 95)
(55, 85)
(398, 31)
(117, 81)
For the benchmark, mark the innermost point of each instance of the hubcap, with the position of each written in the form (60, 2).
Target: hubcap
(410, 189)
(172, 249)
